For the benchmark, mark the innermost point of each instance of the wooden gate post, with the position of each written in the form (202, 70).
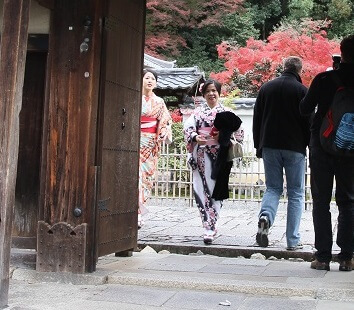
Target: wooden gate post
(67, 210)
(13, 49)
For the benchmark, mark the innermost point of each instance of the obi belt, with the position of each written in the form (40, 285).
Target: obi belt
(205, 131)
(148, 124)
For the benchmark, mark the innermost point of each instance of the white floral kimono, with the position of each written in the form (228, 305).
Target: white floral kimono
(201, 159)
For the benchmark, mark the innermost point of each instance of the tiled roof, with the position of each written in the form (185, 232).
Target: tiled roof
(173, 81)
(155, 63)
(178, 78)
(245, 103)
(241, 103)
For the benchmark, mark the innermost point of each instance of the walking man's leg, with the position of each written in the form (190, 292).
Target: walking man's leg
(344, 173)
(322, 176)
(294, 164)
(273, 169)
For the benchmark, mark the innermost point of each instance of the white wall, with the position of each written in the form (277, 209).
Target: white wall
(246, 116)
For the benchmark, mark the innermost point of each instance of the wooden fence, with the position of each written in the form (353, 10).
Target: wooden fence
(247, 181)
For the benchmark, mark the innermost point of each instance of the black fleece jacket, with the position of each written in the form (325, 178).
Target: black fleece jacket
(277, 122)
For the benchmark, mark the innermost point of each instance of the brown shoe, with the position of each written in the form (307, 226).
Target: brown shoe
(346, 265)
(320, 265)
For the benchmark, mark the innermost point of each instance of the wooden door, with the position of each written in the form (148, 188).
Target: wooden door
(119, 125)
(24, 230)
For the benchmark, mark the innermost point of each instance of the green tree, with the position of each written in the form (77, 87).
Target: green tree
(300, 9)
(201, 43)
(341, 12)
(240, 26)
(177, 136)
(320, 9)
(197, 55)
(267, 14)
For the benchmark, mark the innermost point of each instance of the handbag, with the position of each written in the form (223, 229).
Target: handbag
(235, 150)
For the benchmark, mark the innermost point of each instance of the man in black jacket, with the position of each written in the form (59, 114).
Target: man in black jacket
(325, 166)
(281, 136)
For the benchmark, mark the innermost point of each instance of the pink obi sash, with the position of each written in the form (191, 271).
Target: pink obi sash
(148, 124)
(205, 131)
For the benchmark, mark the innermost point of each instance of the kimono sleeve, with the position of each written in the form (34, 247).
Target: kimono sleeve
(190, 132)
(165, 125)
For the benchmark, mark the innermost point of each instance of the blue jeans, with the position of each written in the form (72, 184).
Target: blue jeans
(294, 165)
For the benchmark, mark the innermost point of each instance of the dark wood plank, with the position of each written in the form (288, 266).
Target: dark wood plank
(70, 122)
(28, 167)
(71, 113)
(46, 3)
(12, 65)
(61, 247)
(120, 126)
(24, 242)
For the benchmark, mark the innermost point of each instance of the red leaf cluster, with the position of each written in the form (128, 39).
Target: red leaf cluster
(165, 42)
(165, 12)
(209, 13)
(313, 47)
(176, 115)
(166, 18)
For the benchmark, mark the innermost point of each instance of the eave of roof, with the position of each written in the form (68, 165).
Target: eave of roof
(245, 103)
(178, 78)
(241, 103)
(155, 63)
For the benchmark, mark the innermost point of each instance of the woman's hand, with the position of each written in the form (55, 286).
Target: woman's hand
(201, 140)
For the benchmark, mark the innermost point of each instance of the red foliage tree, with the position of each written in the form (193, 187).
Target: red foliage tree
(261, 61)
(209, 13)
(164, 41)
(165, 19)
(176, 115)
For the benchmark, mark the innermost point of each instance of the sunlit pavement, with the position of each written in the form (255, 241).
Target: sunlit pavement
(157, 279)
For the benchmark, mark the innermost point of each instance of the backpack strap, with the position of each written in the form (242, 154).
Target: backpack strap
(338, 84)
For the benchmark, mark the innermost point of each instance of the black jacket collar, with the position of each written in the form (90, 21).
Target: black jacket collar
(292, 73)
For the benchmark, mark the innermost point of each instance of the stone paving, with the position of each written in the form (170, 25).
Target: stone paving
(150, 280)
(175, 226)
(154, 281)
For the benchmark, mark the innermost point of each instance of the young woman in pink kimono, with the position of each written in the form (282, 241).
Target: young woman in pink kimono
(203, 148)
(155, 127)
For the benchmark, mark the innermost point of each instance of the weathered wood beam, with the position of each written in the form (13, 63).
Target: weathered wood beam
(67, 193)
(47, 3)
(13, 49)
